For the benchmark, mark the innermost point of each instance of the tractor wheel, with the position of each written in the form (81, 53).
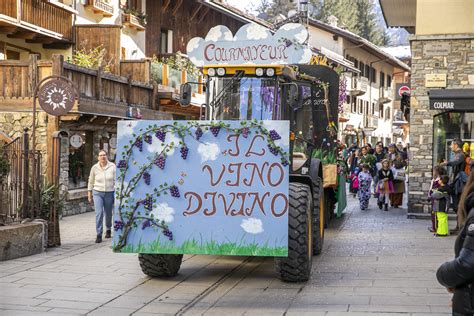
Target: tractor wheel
(318, 217)
(157, 265)
(297, 266)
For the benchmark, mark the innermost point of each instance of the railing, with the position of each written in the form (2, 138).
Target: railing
(20, 194)
(100, 6)
(8, 7)
(371, 122)
(385, 95)
(132, 21)
(40, 13)
(359, 85)
(17, 79)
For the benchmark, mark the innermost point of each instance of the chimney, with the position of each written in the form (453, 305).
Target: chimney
(332, 20)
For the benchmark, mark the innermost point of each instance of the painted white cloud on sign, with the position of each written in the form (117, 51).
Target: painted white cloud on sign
(163, 212)
(252, 225)
(208, 151)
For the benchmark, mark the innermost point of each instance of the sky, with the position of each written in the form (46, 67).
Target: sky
(243, 4)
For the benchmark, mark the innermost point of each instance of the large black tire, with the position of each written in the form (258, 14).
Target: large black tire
(297, 266)
(157, 265)
(318, 217)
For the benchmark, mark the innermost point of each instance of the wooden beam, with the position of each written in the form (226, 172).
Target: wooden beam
(196, 11)
(57, 45)
(23, 35)
(206, 11)
(8, 29)
(70, 117)
(40, 40)
(177, 6)
(165, 6)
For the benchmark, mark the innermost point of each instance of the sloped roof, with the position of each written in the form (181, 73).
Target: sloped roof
(233, 12)
(353, 38)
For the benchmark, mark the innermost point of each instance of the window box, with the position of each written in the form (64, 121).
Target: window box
(100, 7)
(132, 21)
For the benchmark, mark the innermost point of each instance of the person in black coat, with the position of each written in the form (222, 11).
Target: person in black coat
(458, 275)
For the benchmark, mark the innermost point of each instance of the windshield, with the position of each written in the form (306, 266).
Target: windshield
(248, 98)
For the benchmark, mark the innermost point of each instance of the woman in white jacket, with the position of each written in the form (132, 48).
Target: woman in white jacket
(101, 191)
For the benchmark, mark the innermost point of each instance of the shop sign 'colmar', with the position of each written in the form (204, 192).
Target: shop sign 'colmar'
(443, 105)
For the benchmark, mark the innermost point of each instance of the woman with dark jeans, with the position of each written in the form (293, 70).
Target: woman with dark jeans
(458, 275)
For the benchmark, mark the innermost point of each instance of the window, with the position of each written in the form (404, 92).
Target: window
(354, 105)
(381, 110)
(166, 43)
(448, 126)
(367, 71)
(356, 63)
(362, 69)
(387, 114)
(12, 55)
(373, 75)
(389, 81)
(348, 99)
(382, 79)
(373, 108)
(81, 158)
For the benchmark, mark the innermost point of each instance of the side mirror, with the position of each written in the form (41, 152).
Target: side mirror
(185, 93)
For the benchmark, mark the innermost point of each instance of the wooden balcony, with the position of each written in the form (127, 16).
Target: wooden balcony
(132, 21)
(36, 21)
(100, 94)
(100, 7)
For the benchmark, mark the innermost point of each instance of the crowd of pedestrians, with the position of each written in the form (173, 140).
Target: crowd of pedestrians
(380, 172)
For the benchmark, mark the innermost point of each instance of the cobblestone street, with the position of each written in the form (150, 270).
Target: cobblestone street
(374, 262)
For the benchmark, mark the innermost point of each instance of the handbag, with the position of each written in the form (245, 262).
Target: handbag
(399, 174)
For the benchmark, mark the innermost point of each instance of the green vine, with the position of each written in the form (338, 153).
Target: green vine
(131, 211)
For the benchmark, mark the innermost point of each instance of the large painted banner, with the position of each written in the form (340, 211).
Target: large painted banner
(202, 187)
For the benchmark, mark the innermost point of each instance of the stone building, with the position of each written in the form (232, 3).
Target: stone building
(442, 83)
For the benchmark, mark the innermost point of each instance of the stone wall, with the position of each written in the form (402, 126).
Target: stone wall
(21, 240)
(458, 64)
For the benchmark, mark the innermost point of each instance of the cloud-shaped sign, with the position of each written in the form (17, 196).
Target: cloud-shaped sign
(252, 44)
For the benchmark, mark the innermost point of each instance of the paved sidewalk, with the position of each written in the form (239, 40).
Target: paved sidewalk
(374, 263)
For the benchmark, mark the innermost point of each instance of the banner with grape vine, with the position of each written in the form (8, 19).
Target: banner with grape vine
(202, 187)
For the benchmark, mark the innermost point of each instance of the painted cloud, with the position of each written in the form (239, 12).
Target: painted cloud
(251, 44)
(163, 212)
(252, 225)
(208, 151)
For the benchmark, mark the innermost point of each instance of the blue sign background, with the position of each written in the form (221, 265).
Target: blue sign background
(258, 232)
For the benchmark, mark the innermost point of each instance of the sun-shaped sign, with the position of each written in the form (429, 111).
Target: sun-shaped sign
(56, 97)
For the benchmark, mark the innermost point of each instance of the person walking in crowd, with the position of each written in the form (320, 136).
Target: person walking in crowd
(379, 156)
(438, 171)
(392, 152)
(457, 275)
(365, 180)
(354, 171)
(440, 201)
(101, 192)
(385, 184)
(458, 176)
(399, 178)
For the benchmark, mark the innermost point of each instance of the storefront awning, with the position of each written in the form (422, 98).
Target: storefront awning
(452, 99)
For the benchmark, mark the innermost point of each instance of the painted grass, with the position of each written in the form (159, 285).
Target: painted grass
(207, 248)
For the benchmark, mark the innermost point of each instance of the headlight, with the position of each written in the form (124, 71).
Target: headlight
(270, 72)
(259, 72)
(221, 72)
(211, 72)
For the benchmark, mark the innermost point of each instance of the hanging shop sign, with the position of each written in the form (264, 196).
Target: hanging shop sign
(252, 44)
(76, 141)
(56, 97)
(452, 99)
(435, 80)
(402, 88)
